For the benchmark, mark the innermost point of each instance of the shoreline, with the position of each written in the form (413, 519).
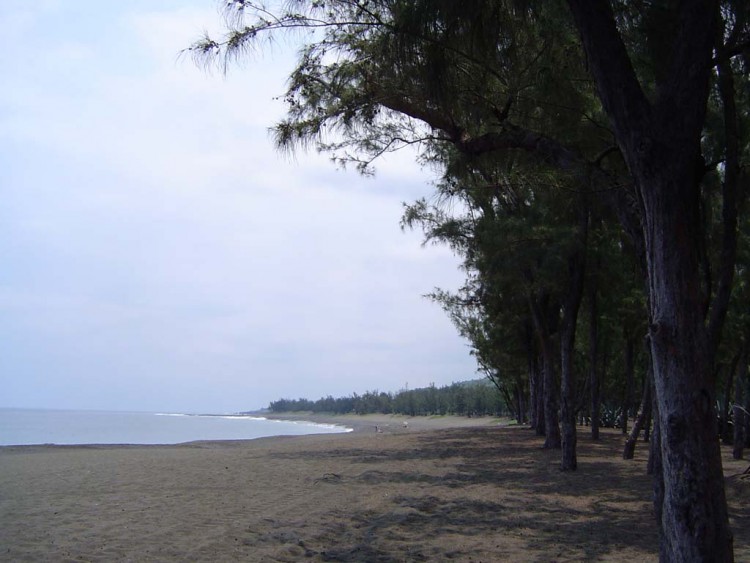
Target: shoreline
(389, 423)
(349, 423)
(478, 491)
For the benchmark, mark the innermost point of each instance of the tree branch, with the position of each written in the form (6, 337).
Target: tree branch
(683, 92)
(619, 90)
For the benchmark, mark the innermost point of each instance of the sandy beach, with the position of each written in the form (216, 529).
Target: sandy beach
(436, 490)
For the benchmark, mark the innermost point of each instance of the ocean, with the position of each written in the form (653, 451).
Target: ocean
(63, 427)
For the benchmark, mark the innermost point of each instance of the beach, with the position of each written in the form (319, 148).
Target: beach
(435, 489)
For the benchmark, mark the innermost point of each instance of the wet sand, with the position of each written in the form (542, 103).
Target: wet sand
(440, 489)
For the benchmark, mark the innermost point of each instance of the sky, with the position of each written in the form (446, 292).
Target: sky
(158, 254)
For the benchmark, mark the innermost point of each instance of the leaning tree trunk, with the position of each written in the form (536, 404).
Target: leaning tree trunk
(643, 413)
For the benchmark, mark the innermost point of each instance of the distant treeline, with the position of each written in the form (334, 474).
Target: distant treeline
(468, 398)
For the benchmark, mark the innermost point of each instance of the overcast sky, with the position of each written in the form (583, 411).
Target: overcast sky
(156, 253)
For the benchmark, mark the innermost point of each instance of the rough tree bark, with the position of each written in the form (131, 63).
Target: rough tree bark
(660, 141)
(695, 524)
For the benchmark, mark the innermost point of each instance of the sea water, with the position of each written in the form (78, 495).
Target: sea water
(63, 427)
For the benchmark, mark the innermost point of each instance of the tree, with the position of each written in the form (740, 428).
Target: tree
(525, 264)
(507, 78)
(659, 139)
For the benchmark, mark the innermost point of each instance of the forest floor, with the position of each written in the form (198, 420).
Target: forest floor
(435, 490)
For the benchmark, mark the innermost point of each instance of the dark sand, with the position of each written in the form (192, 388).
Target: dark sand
(441, 489)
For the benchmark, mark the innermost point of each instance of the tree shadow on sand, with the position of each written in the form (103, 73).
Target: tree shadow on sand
(497, 485)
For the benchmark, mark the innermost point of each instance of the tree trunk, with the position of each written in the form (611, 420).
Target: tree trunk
(653, 407)
(576, 278)
(532, 401)
(694, 514)
(655, 468)
(535, 420)
(726, 405)
(510, 400)
(629, 382)
(654, 456)
(541, 421)
(552, 437)
(640, 420)
(541, 316)
(660, 141)
(740, 384)
(593, 366)
(567, 394)
(520, 402)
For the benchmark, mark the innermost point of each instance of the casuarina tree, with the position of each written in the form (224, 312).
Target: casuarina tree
(612, 95)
